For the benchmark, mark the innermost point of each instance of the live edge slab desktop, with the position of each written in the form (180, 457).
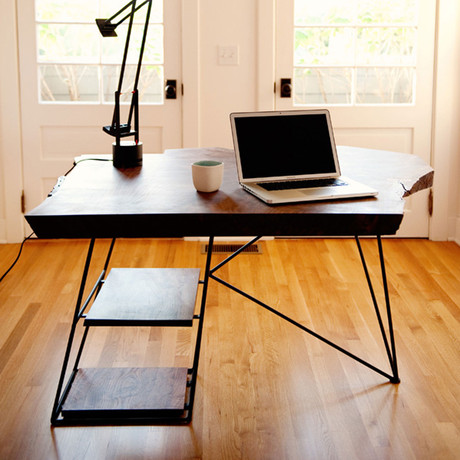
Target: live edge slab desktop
(96, 200)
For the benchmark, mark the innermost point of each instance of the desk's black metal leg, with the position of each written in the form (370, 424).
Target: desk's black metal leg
(58, 417)
(391, 354)
(78, 314)
(394, 363)
(95, 291)
(196, 357)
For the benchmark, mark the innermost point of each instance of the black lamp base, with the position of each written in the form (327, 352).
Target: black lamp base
(127, 155)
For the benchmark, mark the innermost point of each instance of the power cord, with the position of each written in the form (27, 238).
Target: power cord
(17, 258)
(56, 187)
(61, 179)
(86, 159)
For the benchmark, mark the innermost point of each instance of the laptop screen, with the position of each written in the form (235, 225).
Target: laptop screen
(271, 145)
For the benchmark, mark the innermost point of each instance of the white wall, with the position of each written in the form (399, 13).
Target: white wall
(223, 89)
(226, 88)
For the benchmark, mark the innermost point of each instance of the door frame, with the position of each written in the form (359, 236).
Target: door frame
(12, 230)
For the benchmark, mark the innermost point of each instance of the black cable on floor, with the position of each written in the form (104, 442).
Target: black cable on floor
(56, 187)
(17, 258)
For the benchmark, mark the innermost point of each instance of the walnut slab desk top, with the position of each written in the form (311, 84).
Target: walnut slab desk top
(158, 199)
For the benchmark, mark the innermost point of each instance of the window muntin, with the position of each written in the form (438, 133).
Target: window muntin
(77, 65)
(354, 53)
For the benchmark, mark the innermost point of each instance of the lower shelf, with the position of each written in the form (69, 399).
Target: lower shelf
(115, 394)
(146, 297)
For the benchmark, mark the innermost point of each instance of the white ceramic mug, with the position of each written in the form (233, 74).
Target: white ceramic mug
(207, 175)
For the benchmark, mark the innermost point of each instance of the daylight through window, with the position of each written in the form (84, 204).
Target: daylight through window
(355, 52)
(77, 65)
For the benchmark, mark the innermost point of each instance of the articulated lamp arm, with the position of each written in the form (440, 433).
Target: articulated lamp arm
(107, 29)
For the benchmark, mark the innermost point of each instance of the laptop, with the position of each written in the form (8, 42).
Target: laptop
(290, 156)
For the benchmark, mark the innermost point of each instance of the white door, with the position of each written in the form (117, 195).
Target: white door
(68, 76)
(370, 62)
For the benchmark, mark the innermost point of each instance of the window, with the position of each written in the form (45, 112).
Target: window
(356, 52)
(77, 65)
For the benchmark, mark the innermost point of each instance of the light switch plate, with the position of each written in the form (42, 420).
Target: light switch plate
(228, 55)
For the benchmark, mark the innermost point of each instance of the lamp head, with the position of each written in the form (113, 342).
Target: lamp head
(106, 28)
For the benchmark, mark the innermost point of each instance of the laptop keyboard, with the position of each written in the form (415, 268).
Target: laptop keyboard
(295, 184)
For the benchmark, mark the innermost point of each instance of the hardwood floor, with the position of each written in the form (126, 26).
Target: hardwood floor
(266, 390)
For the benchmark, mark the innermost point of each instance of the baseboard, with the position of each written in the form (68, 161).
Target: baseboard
(457, 231)
(3, 231)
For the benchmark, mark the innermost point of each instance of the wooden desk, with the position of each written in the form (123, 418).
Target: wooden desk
(158, 200)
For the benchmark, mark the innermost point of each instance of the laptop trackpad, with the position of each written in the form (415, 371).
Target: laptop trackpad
(329, 191)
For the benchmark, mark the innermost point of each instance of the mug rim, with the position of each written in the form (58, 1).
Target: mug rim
(207, 163)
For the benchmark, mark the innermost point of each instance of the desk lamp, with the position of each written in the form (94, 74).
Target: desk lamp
(126, 154)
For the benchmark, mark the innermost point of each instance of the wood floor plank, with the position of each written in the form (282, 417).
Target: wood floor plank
(265, 390)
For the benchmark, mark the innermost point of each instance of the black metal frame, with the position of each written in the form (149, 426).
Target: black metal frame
(155, 417)
(391, 352)
(186, 416)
